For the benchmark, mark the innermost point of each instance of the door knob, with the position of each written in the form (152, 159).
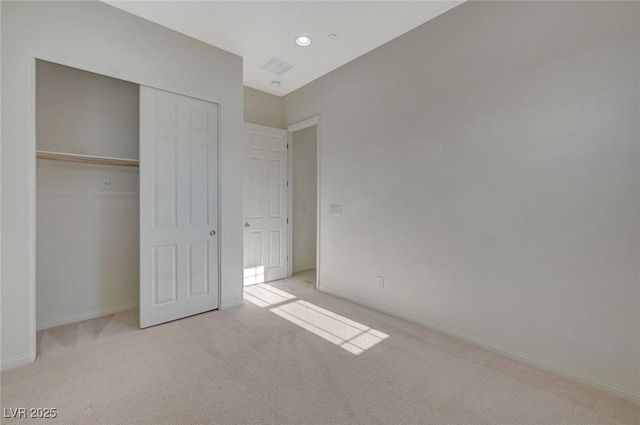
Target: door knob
(212, 232)
(247, 225)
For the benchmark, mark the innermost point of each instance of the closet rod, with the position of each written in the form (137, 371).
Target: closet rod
(87, 159)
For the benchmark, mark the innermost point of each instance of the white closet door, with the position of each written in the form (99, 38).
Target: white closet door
(178, 206)
(265, 204)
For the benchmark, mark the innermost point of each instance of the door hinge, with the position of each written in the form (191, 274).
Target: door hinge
(287, 221)
(287, 145)
(287, 183)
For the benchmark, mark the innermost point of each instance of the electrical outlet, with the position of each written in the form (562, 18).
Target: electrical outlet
(335, 209)
(106, 183)
(380, 281)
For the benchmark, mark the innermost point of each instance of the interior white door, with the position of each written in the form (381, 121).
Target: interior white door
(265, 204)
(178, 206)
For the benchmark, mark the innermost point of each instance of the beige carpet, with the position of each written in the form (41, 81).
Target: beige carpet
(297, 357)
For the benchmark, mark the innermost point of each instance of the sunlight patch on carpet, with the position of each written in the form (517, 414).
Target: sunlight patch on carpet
(352, 336)
(264, 295)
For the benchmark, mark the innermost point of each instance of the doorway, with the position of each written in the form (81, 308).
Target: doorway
(304, 154)
(297, 132)
(265, 201)
(262, 191)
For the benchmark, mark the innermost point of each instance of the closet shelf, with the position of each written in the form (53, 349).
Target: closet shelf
(87, 159)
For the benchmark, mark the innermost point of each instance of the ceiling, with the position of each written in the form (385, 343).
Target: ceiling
(257, 30)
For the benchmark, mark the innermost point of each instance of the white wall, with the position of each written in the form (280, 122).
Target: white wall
(100, 38)
(87, 237)
(0, 177)
(305, 202)
(263, 108)
(86, 113)
(87, 242)
(488, 163)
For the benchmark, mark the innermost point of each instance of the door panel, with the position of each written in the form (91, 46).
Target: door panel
(178, 206)
(275, 192)
(265, 204)
(198, 269)
(165, 279)
(165, 179)
(254, 195)
(198, 184)
(275, 248)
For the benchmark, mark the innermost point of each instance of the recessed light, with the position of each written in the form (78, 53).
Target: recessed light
(275, 83)
(303, 40)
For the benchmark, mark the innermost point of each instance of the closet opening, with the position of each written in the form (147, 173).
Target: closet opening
(87, 202)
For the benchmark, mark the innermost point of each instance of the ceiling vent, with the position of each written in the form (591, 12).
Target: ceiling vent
(275, 65)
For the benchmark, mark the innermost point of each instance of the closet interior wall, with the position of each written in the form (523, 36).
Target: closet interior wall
(87, 214)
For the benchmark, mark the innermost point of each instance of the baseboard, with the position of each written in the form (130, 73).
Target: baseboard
(17, 361)
(304, 269)
(231, 304)
(567, 373)
(88, 315)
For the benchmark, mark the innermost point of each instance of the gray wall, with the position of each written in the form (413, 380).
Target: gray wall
(86, 113)
(99, 38)
(263, 108)
(304, 145)
(488, 163)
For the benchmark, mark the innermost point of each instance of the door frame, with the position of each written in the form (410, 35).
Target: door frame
(36, 54)
(301, 125)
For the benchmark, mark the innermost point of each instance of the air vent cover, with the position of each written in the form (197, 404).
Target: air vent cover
(275, 65)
